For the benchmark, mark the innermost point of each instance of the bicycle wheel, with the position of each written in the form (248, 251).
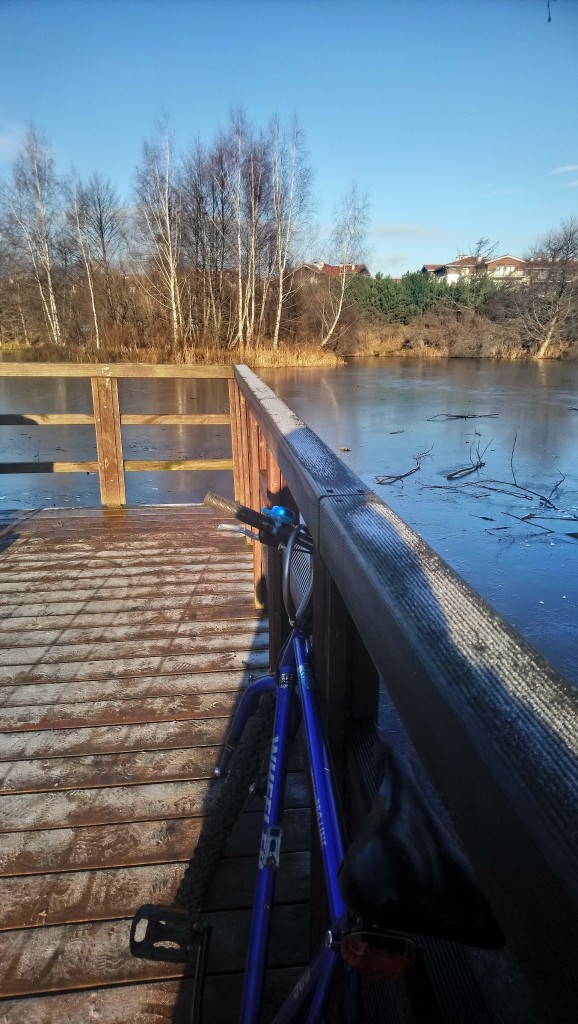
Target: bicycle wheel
(234, 792)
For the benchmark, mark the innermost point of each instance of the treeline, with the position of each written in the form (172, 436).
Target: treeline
(538, 310)
(400, 300)
(207, 251)
(204, 251)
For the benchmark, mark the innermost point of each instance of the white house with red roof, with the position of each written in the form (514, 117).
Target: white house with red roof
(498, 267)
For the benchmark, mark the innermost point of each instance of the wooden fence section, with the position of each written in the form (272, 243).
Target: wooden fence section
(108, 421)
(125, 637)
(494, 725)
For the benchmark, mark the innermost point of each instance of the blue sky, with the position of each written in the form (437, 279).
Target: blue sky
(459, 118)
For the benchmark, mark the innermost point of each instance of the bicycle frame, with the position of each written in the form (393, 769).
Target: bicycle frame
(296, 702)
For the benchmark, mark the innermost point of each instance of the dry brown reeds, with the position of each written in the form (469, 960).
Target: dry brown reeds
(293, 354)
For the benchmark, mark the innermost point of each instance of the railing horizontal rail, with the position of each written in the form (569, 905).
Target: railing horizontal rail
(191, 465)
(130, 466)
(128, 419)
(7, 468)
(118, 370)
(494, 724)
(45, 419)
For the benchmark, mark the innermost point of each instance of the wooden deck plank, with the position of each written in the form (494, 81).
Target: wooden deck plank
(46, 851)
(163, 1002)
(181, 613)
(53, 850)
(105, 649)
(79, 956)
(125, 711)
(108, 634)
(126, 636)
(33, 901)
(124, 567)
(23, 560)
(118, 738)
(169, 664)
(125, 600)
(24, 811)
(100, 770)
(89, 771)
(20, 695)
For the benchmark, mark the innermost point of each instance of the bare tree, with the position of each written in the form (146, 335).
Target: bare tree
(549, 303)
(32, 221)
(291, 195)
(208, 243)
(159, 225)
(105, 234)
(246, 180)
(347, 250)
(484, 249)
(77, 218)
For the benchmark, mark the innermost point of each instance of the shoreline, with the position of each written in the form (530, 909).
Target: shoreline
(286, 356)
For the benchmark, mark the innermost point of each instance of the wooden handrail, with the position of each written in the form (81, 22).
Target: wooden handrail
(493, 723)
(118, 370)
(108, 421)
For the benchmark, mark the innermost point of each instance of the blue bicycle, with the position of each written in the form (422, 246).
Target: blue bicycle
(403, 874)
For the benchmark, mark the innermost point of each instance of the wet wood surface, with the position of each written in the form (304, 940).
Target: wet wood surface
(126, 637)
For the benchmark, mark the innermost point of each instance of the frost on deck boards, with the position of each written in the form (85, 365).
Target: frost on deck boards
(125, 637)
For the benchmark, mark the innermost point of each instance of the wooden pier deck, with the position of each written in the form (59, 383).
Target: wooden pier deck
(125, 637)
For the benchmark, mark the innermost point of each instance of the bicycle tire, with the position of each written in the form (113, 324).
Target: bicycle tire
(235, 790)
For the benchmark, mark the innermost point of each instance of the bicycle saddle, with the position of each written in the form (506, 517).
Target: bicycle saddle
(404, 870)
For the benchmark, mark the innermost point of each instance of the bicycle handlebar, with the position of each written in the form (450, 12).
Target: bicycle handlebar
(233, 508)
(273, 531)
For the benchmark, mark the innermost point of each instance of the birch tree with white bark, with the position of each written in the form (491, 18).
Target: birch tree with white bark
(346, 249)
(159, 226)
(549, 303)
(33, 221)
(77, 216)
(292, 203)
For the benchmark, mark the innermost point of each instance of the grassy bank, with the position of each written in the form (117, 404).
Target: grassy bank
(464, 334)
(256, 356)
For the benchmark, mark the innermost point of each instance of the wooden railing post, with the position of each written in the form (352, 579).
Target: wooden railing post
(108, 440)
(254, 449)
(234, 405)
(278, 493)
(348, 689)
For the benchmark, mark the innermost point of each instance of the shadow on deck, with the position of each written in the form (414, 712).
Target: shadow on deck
(125, 637)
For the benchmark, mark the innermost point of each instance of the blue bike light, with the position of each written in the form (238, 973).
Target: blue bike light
(282, 516)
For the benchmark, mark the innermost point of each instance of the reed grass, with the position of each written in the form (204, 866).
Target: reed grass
(293, 354)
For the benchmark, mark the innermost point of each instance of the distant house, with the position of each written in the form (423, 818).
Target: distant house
(315, 272)
(542, 270)
(498, 267)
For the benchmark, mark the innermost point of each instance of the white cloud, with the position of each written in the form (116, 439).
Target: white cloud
(501, 192)
(381, 229)
(566, 169)
(572, 184)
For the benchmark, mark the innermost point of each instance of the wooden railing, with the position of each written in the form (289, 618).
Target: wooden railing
(493, 724)
(108, 421)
